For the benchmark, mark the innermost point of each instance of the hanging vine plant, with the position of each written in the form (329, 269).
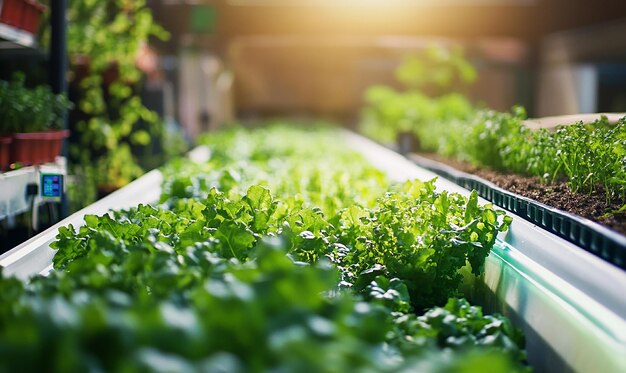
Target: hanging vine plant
(104, 39)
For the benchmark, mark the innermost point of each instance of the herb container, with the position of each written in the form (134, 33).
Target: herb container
(37, 147)
(34, 119)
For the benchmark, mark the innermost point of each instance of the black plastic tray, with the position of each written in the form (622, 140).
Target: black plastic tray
(593, 237)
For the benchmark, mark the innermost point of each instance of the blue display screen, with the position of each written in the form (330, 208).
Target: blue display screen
(51, 186)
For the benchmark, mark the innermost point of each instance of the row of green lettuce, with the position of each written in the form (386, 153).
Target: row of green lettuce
(591, 157)
(283, 252)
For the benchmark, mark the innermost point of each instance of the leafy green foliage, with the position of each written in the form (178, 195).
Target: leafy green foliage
(421, 237)
(104, 39)
(29, 110)
(392, 294)
(266, 314)
(455, 325)
(436, 69)
(458, 323)
(389, 112)
(589, 156)
(316, 173)
(592, 155)
(242, 279)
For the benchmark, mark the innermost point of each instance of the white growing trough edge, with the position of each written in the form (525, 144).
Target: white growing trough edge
(569, 302)
(35, 255)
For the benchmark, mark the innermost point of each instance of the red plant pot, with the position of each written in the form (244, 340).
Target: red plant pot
(55, 139)
(37, 147)
(28, 148)
(12, 12)
(31, 16)
(5, 152)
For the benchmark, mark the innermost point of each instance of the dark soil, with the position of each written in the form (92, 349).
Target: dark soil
(592, 206)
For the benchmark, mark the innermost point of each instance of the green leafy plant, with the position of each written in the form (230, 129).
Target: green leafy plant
(389, 113)
(23, 109)
(243, 279)
(436, 69)
(104, 38)
(421, 237)
(590, 157)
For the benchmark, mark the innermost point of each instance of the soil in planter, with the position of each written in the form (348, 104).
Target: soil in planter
(591, 206)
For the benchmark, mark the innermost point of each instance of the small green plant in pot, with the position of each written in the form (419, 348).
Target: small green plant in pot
(33, 119)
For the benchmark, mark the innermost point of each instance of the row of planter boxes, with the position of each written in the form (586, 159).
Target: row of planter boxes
(22, 14)
(31, 148)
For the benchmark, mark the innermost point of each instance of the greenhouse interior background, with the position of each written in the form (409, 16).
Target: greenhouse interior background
(313, 185)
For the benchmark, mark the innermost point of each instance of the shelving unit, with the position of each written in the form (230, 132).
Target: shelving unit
(15, 198)
(15, 195)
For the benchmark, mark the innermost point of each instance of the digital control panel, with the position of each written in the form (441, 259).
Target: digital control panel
(51, 187)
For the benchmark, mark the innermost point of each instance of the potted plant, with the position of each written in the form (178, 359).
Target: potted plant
(34, 117)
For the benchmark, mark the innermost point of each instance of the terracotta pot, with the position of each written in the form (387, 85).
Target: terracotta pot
(28, 148)
(37, 147)
(12, 11)
(56, 141)
(31, 16)
(5, 152)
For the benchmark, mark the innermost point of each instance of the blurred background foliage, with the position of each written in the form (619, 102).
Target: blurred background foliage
(115, 137)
